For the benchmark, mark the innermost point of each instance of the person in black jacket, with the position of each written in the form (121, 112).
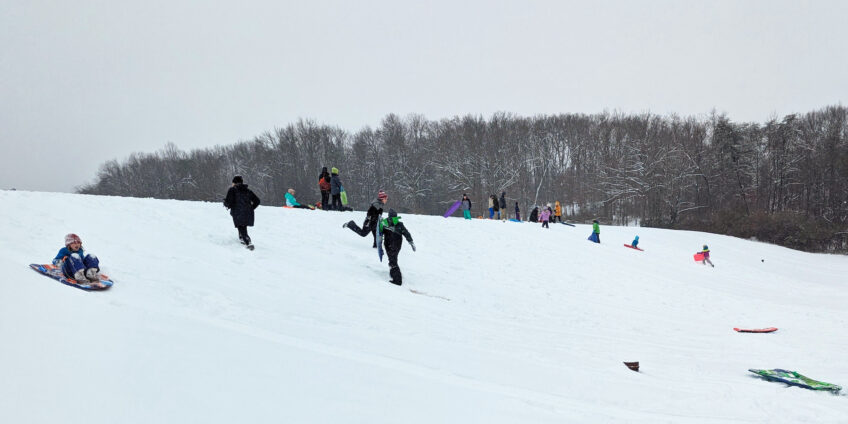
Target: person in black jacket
(324, 186)
(534, 215)
(372, 218)
(503, 205)
(241, 202)
(393, 233)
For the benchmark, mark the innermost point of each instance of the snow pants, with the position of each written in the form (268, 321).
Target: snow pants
(394, 269)
(242, 229)
(466, 213)
(74, 263)
(545, 224)
(367, 227)
(337, 202)
(491, 213)
(325, 200)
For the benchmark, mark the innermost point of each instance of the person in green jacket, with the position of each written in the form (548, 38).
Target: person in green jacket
(596, 232)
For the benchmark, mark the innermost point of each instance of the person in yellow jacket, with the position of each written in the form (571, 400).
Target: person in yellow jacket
(557, 212)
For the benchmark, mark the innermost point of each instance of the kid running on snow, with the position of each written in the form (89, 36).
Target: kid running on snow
(393, 232)
(241, 202)
(372, 218)
(76, 264)
(706, 253)
(546, 215)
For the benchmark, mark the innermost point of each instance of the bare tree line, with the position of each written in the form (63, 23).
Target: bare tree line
(784, 181)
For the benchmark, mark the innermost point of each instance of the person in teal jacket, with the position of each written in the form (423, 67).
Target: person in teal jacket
(292, 202)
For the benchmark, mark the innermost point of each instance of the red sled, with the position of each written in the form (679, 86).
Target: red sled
(756, 330)
(699, 257)
(633, 247)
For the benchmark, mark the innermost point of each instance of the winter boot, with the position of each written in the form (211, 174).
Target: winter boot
(80, 276)
(93, 275)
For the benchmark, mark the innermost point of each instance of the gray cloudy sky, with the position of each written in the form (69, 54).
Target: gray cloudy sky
(82, 82)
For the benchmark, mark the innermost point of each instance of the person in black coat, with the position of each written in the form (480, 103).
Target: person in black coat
(372, 218)
(393, 233)
(534, 215)
(503, 205)
(241, 202)
(324, 186)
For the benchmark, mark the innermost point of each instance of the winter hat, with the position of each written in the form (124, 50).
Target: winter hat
(335, 170)
(291, 190)
(392, 213)
(637, 238)
(238, 180)
(706, 248)
(71, 238)
(381, 195)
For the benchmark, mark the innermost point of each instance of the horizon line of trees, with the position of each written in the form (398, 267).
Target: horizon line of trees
(784, 181)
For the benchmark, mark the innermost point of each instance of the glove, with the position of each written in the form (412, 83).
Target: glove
(411, 244)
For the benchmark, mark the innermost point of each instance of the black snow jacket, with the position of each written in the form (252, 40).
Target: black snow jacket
(503, 202)
(372, 217)
(241, 202)
(534, 216)
(393, 236)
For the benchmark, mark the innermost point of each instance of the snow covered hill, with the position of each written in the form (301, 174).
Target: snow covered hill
(306, 328)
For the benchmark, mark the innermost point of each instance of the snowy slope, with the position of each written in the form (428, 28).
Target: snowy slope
(307, 329)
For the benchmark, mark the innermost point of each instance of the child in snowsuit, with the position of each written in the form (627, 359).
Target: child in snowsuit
(706, 253)
(336, 190)
(372, 218)
(76, 264)
(241, 202)
(393, 233)
(292, 202)
(635, 242)
(517, 212)
(324, 186)
(557, 212)
(466, 206)
(546, 215)
(596, 232)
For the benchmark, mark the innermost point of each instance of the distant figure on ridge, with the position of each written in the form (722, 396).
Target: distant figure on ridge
(241, 202)
(502, 204)
(534, 215)
(324, 186)
(546, 215)
(706, 252)
(596, 232)
(292, 202)
(466, 206)
(557, 212)
(336, 189)
(517, 212)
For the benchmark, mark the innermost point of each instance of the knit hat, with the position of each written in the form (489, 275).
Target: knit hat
(335, 170)
(381, 195)
(392, 213)
(238, 180)
(71, 238)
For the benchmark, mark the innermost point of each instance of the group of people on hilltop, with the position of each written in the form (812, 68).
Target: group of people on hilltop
(330, 185)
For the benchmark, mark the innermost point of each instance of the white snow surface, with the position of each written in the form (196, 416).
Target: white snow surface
(307, 329)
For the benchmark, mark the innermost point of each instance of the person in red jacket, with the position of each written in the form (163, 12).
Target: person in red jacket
(324, 186)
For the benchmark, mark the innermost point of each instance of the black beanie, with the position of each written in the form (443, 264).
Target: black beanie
(392, 213)
(237, 180)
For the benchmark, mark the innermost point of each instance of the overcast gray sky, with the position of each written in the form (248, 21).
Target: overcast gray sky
(82, 82)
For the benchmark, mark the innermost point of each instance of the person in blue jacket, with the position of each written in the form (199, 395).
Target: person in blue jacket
(292, 202)
(75, 263)
(635, 242)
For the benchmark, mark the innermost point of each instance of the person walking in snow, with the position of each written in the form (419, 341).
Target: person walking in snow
(336, 189)
(292, 202)
(557, 212)
(466, 206)
(76, 264)
(502, 204)
(372, 218)
(596, 232)
(517, 212)
(393, 234)
(546, 215)
(324, 186)
(706, 252)
(241, 202)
